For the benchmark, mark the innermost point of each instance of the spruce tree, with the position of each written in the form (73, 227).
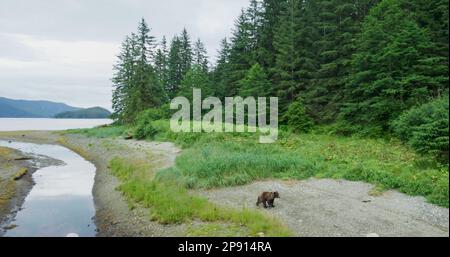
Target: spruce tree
(241, 57)
(391, 70)
(161, 63)
(255, 83)
(145, 43)
(338, 24)
(220, 73)
(122, 79)
(196, 77)
(175, 73)
(200, 55)
(295, 52)
(147, 91)
(271, 12)
(135, 84)
(287, 58)
(185, 52)
(254, 23)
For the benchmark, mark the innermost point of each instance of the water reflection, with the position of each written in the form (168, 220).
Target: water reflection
(61, 201)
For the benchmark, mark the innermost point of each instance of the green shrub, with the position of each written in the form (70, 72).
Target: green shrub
(153, 114)
(297, 119)
(144, 127)
(425, 128)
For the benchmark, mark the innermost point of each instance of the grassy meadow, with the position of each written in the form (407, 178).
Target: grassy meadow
(227, 159)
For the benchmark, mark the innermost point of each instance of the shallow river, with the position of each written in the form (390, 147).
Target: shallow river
(61, 201)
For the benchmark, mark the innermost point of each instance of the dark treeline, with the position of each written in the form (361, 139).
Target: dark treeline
(358, 65)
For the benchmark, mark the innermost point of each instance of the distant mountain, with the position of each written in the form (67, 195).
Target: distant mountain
(9, 111)
(12, 108)
(89, 113)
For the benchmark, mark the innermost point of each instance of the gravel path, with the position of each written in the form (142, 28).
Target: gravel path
(325, 207)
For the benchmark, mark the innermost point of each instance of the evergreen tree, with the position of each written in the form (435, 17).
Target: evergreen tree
(145, 43)
(391, 68)
(297, 118)
(338, 24)
(240, 58)
(161, 64)
(287, 57)
(254, 23)
(196, 77)
(122, 79)
(271, 12)
(136, 86)
(295, 51)
(175, 72)
(185, 52)
(200, 56)
(255, 83)
(147, 91)
(432, 15)
(220, 73)
(361, 63)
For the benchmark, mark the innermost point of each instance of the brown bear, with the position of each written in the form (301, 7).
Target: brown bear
(267, 199)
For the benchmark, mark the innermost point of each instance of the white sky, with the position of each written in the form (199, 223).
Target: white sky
(63, 50)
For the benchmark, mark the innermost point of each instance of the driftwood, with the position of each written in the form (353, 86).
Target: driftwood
(22, 159)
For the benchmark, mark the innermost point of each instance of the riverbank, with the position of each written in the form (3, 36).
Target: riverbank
(114, 217)
(15, 182)
(314, 207)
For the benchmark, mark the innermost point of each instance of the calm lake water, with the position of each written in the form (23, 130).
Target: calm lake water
(61, 202)
(12, 124)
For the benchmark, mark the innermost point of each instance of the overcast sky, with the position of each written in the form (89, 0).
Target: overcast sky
(63, 50)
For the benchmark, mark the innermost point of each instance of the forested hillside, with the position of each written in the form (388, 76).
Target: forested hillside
(13, 108)
(88, 113)
(367, 67)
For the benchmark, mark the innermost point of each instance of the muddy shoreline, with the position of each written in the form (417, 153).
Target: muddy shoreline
(13, 191)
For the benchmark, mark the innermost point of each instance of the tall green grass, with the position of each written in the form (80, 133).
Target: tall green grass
(230, 163)
(99, 132)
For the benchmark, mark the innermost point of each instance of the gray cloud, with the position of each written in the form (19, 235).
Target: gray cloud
(64, 49)
(12, 49)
